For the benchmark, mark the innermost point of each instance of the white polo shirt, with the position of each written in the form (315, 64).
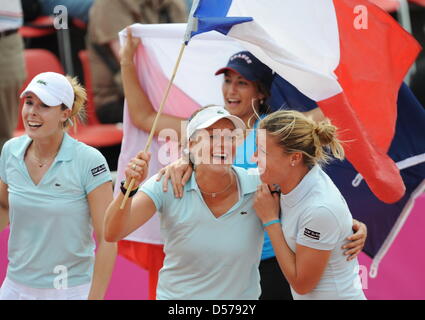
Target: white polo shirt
(208, 257)
(51, 233)
(316, 215)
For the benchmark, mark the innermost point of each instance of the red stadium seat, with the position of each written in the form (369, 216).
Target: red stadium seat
(95, 133)
(40, 27)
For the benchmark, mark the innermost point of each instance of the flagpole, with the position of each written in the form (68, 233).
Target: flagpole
(129, 186)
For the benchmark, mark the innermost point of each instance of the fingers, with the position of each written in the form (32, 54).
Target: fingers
(356, 236)
(165, 180)
(186, 176)
(138, 167)
(354, 244)
(353, 249)
(174, 183)
(352, 254)
(129, 34)
(159, 175)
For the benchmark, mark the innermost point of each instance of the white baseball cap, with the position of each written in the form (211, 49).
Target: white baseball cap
(52, 89)
(210, 115)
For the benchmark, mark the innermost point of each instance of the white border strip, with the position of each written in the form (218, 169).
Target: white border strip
(403, 164)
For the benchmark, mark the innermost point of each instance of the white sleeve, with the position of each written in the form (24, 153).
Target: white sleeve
(318, 229)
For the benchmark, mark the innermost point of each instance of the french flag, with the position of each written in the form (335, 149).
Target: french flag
(305, 42)
(347, 55)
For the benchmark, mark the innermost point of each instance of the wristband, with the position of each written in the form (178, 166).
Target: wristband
(124, 190)
(271, 222)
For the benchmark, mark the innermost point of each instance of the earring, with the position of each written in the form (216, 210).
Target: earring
(293, 164)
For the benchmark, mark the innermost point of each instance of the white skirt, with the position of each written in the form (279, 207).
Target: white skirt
(11, 290)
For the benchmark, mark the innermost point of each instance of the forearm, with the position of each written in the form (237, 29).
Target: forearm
(284, 255)
(104, 265)
(140, 108)
(4, 218)
(117, 220)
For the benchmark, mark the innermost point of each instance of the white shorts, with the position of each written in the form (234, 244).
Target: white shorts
(11, 290)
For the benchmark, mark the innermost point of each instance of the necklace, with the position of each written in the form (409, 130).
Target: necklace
(214, 194)
(40, 163)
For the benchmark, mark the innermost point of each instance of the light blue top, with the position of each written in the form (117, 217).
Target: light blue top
(50, 223)
(208, 257)
(244, 154)
(315, 215)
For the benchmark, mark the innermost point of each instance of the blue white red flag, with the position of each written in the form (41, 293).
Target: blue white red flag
(347, 55)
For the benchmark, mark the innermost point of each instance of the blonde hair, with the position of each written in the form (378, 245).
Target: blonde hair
(78, 113)
(297, 133)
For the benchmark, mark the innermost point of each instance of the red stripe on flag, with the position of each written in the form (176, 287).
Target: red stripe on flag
(373, 63)
(379, 170)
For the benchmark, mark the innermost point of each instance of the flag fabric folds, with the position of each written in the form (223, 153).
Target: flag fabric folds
(195, 85)
(352, 66)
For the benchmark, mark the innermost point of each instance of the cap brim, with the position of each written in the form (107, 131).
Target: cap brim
(238, 123)
(43, 95)
(244, 73)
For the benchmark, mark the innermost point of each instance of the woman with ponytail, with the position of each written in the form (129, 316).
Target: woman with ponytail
(310, 222)
(54, 191)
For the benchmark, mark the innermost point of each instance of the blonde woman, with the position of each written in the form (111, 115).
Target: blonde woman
(53, 191)
(315, 220)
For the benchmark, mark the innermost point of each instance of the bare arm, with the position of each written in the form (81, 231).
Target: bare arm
(106, 252)
(140, 107)
(4, 206)
(138, 209)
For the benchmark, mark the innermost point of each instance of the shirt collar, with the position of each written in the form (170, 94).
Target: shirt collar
(298, 193)
(246, 185)
(64, 154)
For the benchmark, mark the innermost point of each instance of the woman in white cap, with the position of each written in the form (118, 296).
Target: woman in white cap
(312, 221)
(246, 87)
(53, 192)
(206, 229)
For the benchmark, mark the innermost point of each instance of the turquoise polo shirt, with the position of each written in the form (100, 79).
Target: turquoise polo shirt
(208, 257)
(244, 154)
(51, 234)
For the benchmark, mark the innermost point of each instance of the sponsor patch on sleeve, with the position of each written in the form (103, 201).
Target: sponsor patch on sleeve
(312, 234)
(98, 170)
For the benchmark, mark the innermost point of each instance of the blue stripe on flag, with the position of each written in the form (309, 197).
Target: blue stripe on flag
(211, 15)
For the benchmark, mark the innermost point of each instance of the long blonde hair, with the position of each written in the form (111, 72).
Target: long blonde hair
(297, 133)
(78, 108)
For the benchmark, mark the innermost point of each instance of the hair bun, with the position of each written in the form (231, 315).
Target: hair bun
(325, 132)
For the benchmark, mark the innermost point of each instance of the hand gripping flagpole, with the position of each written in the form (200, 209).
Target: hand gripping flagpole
(130, 186)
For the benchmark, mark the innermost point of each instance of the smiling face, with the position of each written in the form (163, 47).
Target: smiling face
(215, 145)
(274, 164)
(40, 120)
(240, 95)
